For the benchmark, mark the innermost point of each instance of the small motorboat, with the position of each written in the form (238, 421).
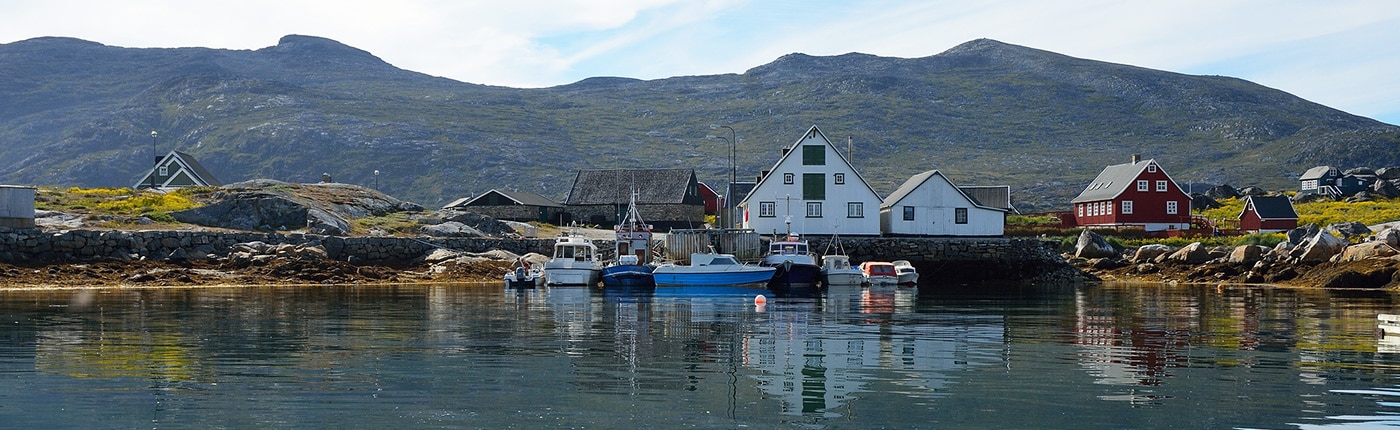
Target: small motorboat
(522, 275)
(575, 262)
(1388, 325)
(879, 273)
(712, 269)
(907, 274)
(837, 270)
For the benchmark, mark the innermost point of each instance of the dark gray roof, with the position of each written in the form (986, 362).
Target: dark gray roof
(1320, 172)
(654, 186)
(519, 197)
(1112, 181)
(918, 180)
(1271, 207)
(738, 191)
(996, 196)
(198, 169)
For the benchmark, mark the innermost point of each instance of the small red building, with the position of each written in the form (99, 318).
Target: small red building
(1139, 193)
(711, 199)
(1266, 214)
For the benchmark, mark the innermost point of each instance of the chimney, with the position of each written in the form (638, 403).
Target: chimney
(762, 174)
(1136, 158)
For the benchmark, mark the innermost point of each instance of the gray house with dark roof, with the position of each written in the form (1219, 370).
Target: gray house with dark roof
(1331, 182)
(176, 170)
(666, 198)
(511, 205)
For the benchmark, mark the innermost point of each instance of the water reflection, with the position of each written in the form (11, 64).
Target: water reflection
(484, 356)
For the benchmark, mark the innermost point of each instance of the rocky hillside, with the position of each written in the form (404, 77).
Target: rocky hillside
(80, 113)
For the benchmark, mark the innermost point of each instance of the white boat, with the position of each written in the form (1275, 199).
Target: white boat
(837, 270)
(907, 274)
(879, 273)
(523, 275)
(575, 262)
(1388, 325)
(712, 269)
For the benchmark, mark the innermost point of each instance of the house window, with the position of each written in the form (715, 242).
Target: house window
(767, 209)
(813, 186)
(787, 178)
(1161, 186)
(908, 213)
(1081, 209)
(1142, 185)
(840, 178)
(814, 209)
(1108, 208)
(855, 210)
(1151, 168)
(960, 215)
(1171, 207)
(163, 171)
(813, 155)
(1127, 207)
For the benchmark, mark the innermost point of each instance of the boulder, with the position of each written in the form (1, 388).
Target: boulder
(1201, 201)
(1318, 248)
(1390, 236)
(1253, 191)
(484, 224)
(1246, 254)
(1362, 251)
(1377, 277)
(1092, 245)
(1359, 171)
(1298, 235)
(1310, 197)
(438, 255)
(1195, 253)
(322, 222)
(310, 253)
(246, 211)
(1222, 191)
(451, 229)
(1388, 173)
(1384, 189)
(1107, 263)
(1361, 196)
(1349, 229)
(1149, 252)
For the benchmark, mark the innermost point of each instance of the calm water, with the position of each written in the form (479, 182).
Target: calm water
(484, 356)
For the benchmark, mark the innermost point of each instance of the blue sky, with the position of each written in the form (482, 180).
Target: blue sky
(1340, 53)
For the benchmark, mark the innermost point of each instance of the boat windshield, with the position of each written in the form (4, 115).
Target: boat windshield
(722, 260)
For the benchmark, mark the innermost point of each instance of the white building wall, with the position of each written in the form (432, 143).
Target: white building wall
(935, 204)
(788, 203)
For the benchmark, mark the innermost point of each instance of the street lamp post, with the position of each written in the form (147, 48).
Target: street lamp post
(376, 179)
(733, 165)
(155, 159)
(724, 212)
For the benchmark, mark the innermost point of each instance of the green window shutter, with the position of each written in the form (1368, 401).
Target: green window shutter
(813, 155)
(813, 186)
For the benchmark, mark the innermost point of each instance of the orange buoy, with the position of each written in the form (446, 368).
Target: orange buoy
(760, 300)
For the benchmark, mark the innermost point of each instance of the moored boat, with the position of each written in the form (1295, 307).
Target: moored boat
(879, 273)
(1388, 325)
(712, 269)
(837, 270)
(796, 266)
(633, 266)
(575, 262)
(522, 275)
(907, 274)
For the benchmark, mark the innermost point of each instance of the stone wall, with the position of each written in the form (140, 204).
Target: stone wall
(80, 245)
(965, 260)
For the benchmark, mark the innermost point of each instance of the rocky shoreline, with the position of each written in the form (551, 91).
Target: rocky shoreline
(1311, 257)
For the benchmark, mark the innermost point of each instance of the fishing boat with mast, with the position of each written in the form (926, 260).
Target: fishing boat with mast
(836, 265)
(633, 266)
(795, 263)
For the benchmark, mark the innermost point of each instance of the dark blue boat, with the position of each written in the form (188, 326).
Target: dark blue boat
(796, 264)
(633, 266)
(627, 273)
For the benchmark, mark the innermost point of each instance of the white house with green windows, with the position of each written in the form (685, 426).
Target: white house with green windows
(812, 190)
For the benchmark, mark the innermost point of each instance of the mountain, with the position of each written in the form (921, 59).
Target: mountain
(79, 113)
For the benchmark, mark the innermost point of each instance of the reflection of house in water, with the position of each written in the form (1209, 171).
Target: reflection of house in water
(819, 374)
(1130, 353)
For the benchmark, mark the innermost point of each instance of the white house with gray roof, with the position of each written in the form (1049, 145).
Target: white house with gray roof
(812, 190)
(928, 204)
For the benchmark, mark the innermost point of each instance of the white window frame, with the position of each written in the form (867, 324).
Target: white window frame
(164, 171)
(1142, 185)
(1171, 207)
(1151, 168)
(908, 212)
(814, 209)
(1108, 208)
(1081, 209)
(787, 179)
(840, 178)
(1161, 185)
(1127, 207)
(855, 210)
(960, 215)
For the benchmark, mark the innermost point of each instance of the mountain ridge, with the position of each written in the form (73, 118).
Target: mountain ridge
(984, 112)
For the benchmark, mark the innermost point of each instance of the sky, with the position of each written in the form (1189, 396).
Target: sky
(1341, 53)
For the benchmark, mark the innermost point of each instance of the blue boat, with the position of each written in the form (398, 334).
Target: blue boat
(712, 269)
(633, 266)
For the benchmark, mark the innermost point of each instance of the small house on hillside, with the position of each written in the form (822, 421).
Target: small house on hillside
(666, 198)
(1331, 182)
(1139, 193)
(511, 205)
(928, 204)
(1265, 214)
(176, 170)
(812, 190)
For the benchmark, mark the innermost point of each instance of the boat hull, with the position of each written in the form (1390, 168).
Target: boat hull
(853, 277)
(795, 276)
(570, 276)
(752, 275)
(628, 275)
(908, 278)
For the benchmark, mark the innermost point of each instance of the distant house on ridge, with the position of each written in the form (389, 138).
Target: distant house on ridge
(176, 170)
(1331, 182)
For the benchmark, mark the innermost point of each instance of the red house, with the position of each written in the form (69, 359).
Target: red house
(711, 199)
(1266, 214)
(1139, 193)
